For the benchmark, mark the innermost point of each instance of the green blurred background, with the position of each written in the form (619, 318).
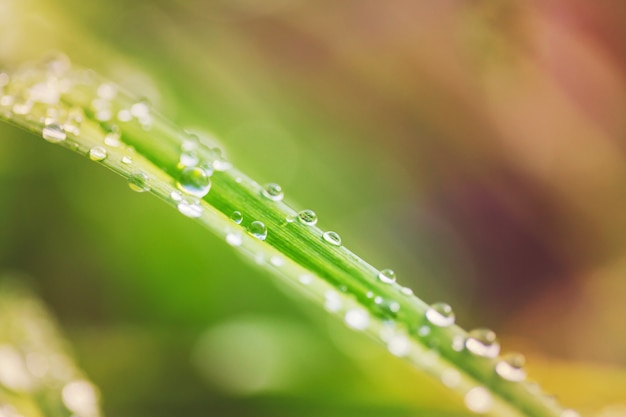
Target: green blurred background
(476, 147)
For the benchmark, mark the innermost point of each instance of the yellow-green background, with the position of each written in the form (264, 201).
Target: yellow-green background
(476, 147)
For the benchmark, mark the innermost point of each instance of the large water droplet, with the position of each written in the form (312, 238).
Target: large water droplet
(97, 153)
(308, 217)
(273, 192)
(237, 217)
(357, 318)
(440, 314)
(511, 367)
(258, 230)
(190, 207)
(194, 181)
(483, 342)
(478, 400)
(138, 182)
(387, 276)
(54, 133)
(332, 238)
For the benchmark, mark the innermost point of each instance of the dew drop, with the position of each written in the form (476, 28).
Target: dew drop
(305, 279)
(307, 217)
(138, 182)
(234, 239)
(222, 165)
(511, 367)
(194, 181)
(176, 195)
(97, 153)
(54, 133)
(406, 291)
(450, 378)
(387, 276)
(290, 218)
(277, 261)
(237, 217)
(188, 159)
(190, 207)
(399, 345)
(569, 413)
(440, 314)
(423, 331)
(273, 192)
(458, 343)
(112, 140)
(124, 115)
(483, 342)
(332, 238)
(127, 160)
(357, 318)
(478, 400)
(333, 301)
(140, 110)
(258, 230)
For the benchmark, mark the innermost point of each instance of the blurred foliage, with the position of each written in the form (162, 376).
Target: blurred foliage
(475, 146)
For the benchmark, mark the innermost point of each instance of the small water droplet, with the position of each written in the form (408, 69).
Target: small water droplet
(357, 318)
(194, 181)
(333, 301)
(394, 306)
(190, 207)
(124, 115)
(406, 291)
(222, 165)
(483, 342)
(127, 160)
(307, 217)
(258, 230)
(277, 261)
(332, 238)
(54, 133)
(399, 345)
(273, 192)
(112, 140)
(188, 159)
(387, 276)
(97, 153)
(138, 182)
(22, 107)
(511, 367)
(458, 343)
(450, 378)
(305, 279)
(107, 91)
(423, 331)
(440, 314)
(237, 217)
(176, 196)
(290, 218)
(478, 400)
(140, 110)
(234, 239)
(570, 413)
(104, 115)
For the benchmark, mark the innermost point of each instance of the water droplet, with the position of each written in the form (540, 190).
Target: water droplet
(290, 218)
(124, 115)
(140, 110)
(332, 238)
(333, 301)
(127, 160)
(54, 133)
(194, 181)
(423, 331)
(399, 345)
(478, 400)
(570, 413)
(450, 378)
(97, 153)
(308, 217)
(511, 367)
(258, 230)
(80, 397)
(387, 276)
(188, 159)
(112, 140)
(139, 182)
(104, 115)
(357, 318)
(277, 261)
(222, 165)
(107, 91)
(273, 192)
(483, 342)
(237, 217)
(406, 291)
(306, 279)
(234, 239)
(190, 207)
(176, 195)
(394, 306)
(458, 343)
(440, 314)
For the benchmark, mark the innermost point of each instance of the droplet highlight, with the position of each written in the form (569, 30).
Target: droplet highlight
(54, 133)
(237, 217)
(138, 182)
(97, 153)
(258, 230)
(387, 276)
(483, 342)
(511, 367)
(273, 191)
(307, 217)
(332, 238)
(440, 314)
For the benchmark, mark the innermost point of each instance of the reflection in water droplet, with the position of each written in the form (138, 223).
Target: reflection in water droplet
(97, 153)
(258, 230)
(483, 342)
(190, 207)
(440, 314)
(357, 318)
(273, 192)
(307, 217)
(511, 367)
(194, 181)
(138, 182)
(234, 239)
(478, 400)
(53, 133)
(387, 276)
(332, 238)
(237, 217)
